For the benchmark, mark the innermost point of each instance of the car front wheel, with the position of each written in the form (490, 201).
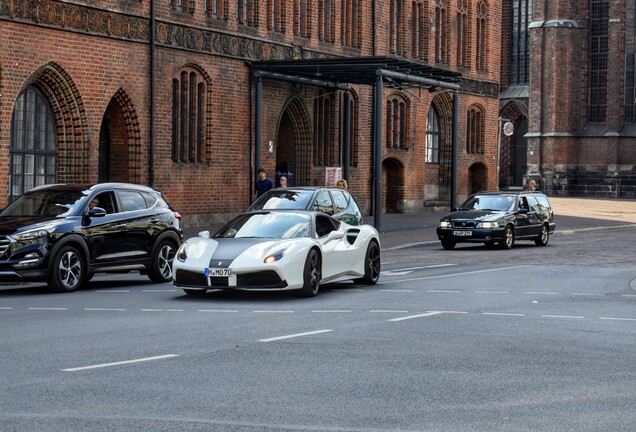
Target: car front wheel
(67, 270)
(371, 265)
(508, 239)
(161, 266)
(544, 236)
(448, 244)
(311, 274)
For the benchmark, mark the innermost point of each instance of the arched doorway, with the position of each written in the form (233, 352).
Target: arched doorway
(293, 145)
(392, 186)
(514, 149)
(477, 178)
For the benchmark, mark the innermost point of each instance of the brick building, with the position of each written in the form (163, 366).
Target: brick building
(568, 82)
(87, 95)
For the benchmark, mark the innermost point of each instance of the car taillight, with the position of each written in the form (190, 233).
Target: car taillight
(177, 215)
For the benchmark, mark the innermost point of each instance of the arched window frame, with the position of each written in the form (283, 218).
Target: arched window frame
(475, 130)
(33, 148)
(463, 33)
(433, 136)
(353, 125)
(419, 30)
(441, 31)
(397, 115)
(481, 36)
(188, 117)
(323, 120)
(396, 14)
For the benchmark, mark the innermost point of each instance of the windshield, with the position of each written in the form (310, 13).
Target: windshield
(283, 200)
(267, 225)
(489, 202)
(45, 202)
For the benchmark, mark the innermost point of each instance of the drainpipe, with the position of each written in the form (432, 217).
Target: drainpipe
(374, 24)
(151, 145)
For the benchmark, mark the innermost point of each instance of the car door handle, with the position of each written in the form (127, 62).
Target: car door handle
(120, 226)
(155, 220)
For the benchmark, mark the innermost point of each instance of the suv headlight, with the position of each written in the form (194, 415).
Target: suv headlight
(444, 224)
(487, 225)
(31, 237)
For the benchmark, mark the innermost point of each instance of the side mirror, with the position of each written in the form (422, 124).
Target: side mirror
(96, 212)
(335, 235)
(204, 234)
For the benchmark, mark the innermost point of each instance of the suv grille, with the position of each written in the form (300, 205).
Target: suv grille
(4, 246)
(463, 224)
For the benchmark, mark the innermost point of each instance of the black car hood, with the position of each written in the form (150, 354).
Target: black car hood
(479, 215)
(230, 248)
(12, 224)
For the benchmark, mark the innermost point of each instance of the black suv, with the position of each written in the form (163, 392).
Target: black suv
(499, 217)
(334, 201)
(64, 234)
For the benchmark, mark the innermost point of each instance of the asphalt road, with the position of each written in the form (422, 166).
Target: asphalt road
(474, 339)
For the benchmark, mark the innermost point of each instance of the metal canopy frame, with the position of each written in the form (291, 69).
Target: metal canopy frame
(338, 73)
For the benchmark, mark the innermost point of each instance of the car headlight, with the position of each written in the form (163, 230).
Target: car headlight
(182, 255)
(275, 256)
(444, 224)
(487, 225)
(31, 237)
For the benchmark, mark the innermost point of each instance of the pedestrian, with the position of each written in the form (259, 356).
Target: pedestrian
(342, 184)
(283, 181)
(532, 185)
(263, 184)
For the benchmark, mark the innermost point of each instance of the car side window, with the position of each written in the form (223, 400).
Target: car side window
(340, 200)
(131, 201)
(533, 203)
(105, 200)
(151, 200)
(523, 203)
(544, 205)
(324, 226)
(323, 203)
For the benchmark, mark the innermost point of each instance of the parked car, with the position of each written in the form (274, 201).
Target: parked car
(63, 234)
(499, 217)
(278, 250)
(333, 201)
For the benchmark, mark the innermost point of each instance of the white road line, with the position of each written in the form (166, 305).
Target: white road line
(50, 308)
(628, 295)
(458, 274)
(617, 319)
(103, 309)
(541, 292)
(332, 311)
(503, 314)
(563, 316)
(158, 290)
(102, 365)
(152, 310)
(443, 291)
(427, 314)
(218, 310)
(174, 310)
(395, 290)
(587, 294)
(492, 292)
(347, 290)
(277, 338)
(423, 267)
(388, 311)
(5, 308)
(111, 291)
(273, 311)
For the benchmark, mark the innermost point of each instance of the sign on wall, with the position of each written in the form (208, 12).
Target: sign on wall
(332, 175)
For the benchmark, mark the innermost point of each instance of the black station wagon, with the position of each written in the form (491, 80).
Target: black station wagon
(499, 217)
(330, 200)
(64, 234)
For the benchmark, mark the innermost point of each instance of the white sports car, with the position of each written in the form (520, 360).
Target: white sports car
(278, 250)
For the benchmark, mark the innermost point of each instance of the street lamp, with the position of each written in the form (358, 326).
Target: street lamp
(508, 129)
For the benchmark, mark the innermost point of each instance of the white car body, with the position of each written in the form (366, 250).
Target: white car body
(342, 252)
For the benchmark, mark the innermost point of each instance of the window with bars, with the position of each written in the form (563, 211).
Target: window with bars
(323, 114)
(302, 18)
(630, 63)
(395, 26)
(419, 30)
(188, 118)
(463, 26)
(351, 26)
(475, 131)
(599, 34)
(441, 31)
(396, 123)
(33, 154)
(185, 6)
(521, 11)
(247, 12)
(276, 15)
(481, 40)
(433, 135)
(326, 20)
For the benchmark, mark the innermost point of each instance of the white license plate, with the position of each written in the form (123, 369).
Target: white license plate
(218, 272)
(459, 233)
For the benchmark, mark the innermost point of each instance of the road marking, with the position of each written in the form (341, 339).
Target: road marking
(50, 308)
(102, 365)
(443, 291)
(111, 291)
(409, 245)
(346, 290)
(492, 292)
(277, 338)
(395, 290)
(158, 290)
(218, 310)
(152, 310)
(388, 311)
(541, 292)
(273, 311)
(617, 319)
(563, 316)
(427, 314)
(459, 274)
(503, 314)
(628, 295)
(395, 272)
(588, 294)
(332, 311)
(103, 309)
(5, 308)
(423, 267)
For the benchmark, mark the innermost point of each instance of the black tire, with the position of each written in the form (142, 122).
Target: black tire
(448, 244)
(508, 240)
(371, 265)
(195, 292)
(67, 270)
(544, 236)
(489, 244)
(311, 274)
(161, 267)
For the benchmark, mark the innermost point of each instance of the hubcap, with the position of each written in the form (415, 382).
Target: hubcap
(70, 269)
(315, 273)
(374, 263)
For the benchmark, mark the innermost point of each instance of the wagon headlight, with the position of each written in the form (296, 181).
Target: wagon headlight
(487, 225)
(182, 255)
(444, 224)
(278, 255)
